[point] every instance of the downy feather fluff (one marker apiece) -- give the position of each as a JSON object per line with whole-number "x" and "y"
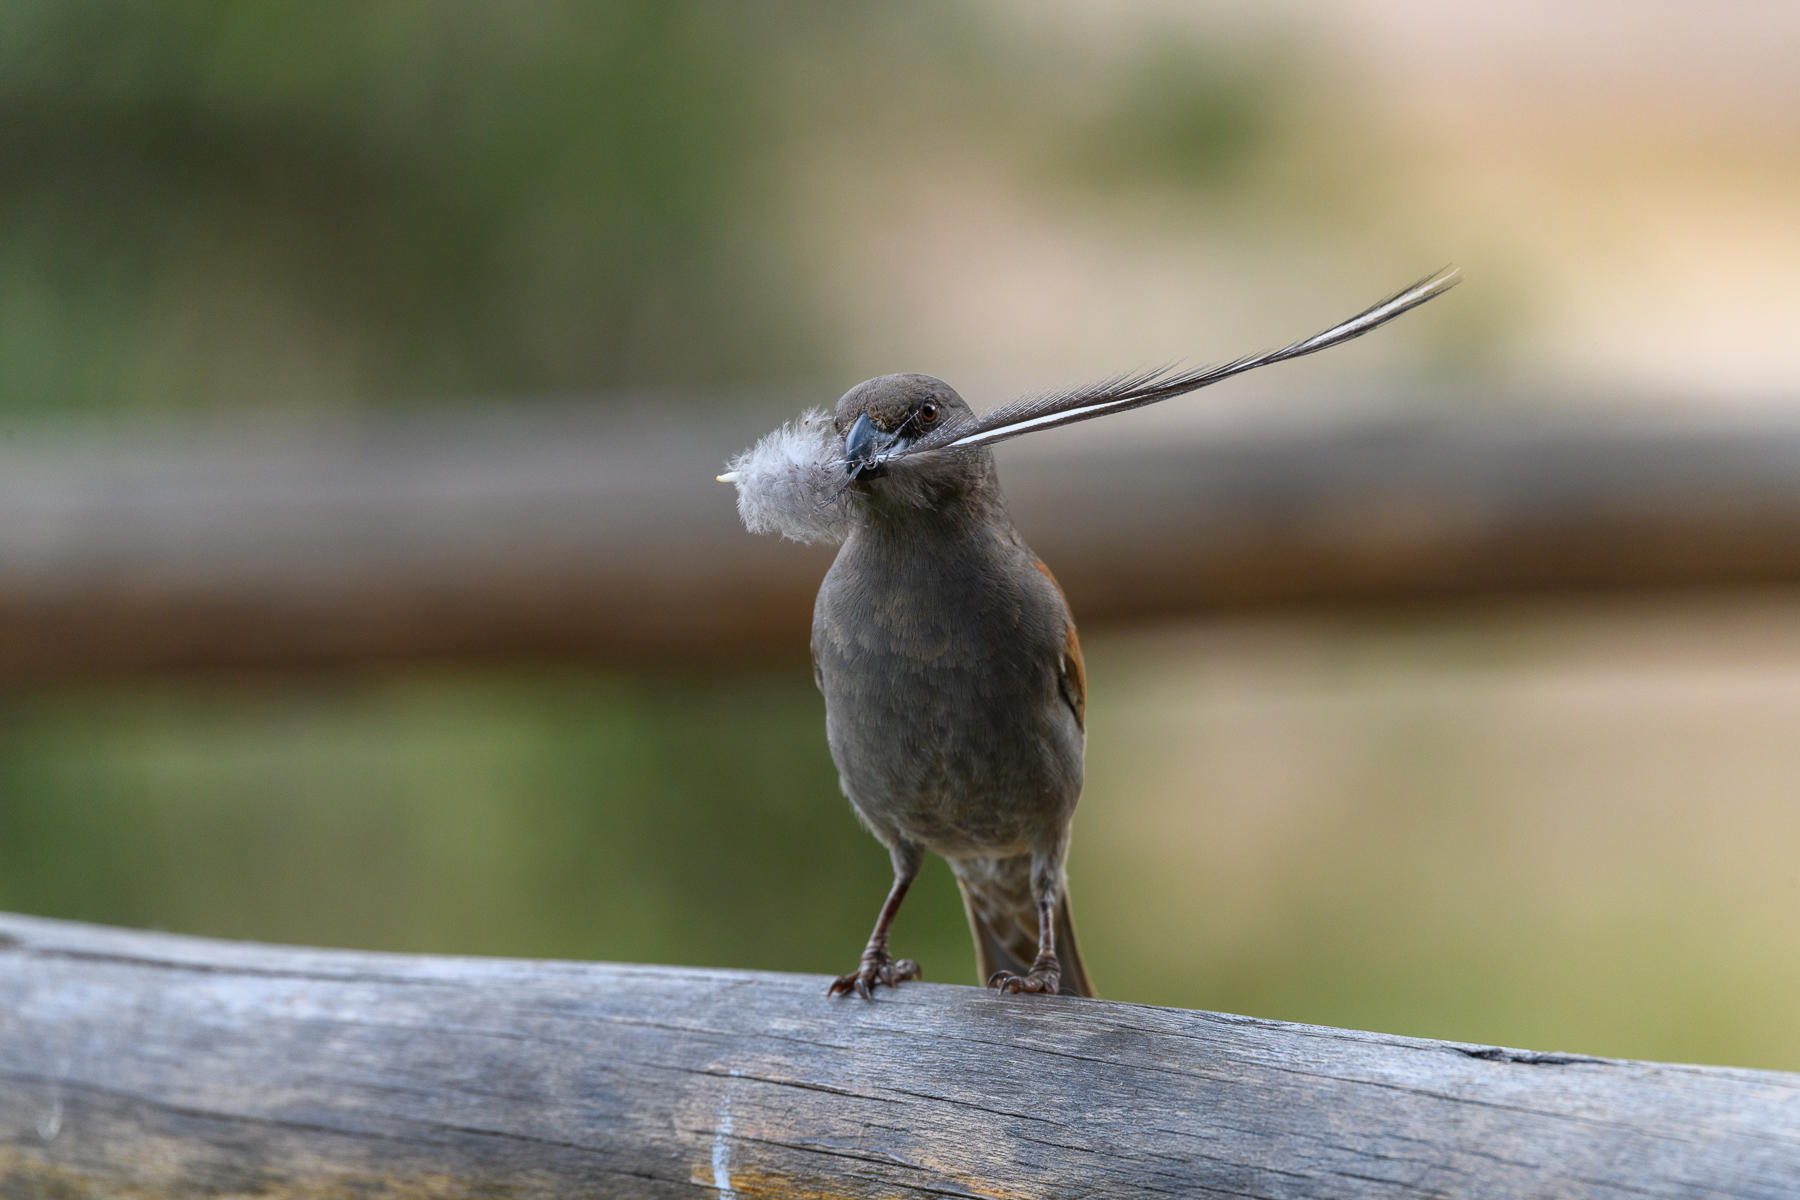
{"x": 792, "y": 482}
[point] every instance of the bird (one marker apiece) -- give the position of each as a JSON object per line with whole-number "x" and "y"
{"x": 948, "y": 657}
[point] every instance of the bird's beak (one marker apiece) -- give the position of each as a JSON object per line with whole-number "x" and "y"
{"x": 864, "y": 446}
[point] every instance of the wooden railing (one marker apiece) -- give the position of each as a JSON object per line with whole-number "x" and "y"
{"x": 587, "y": 534}
{"x": 147, "y": 1065}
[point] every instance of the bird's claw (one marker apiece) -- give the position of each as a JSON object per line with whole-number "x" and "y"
{"x": 1045, "y": 976}
{"x": 877, "y": 970}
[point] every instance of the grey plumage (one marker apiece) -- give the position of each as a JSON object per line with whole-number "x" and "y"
{"x": 955, "y": 691}
{"x": 945, "y": 652}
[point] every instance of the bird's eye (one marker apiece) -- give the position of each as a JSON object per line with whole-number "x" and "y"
{"x": 928, "y": 413}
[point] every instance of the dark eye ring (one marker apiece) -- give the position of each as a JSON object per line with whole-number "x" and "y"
{"x": 928, "y": 413}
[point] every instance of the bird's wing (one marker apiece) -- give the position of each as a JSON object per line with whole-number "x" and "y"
{"x": 1072, "y": 672}
{"x": 1074, "y": 678}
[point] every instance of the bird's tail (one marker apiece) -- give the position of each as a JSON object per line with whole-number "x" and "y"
{"x": 1003, "y": 921}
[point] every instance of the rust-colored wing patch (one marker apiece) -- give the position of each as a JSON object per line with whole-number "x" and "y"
{"x": 1073, "y": 677}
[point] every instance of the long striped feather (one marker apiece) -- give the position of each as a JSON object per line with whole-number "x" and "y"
{"x": 1125, "y": 392}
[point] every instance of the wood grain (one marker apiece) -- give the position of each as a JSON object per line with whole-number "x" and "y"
{"x": 149, "y": 1065}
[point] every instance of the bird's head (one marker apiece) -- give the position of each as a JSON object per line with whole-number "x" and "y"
{"x": 881, "y": 419}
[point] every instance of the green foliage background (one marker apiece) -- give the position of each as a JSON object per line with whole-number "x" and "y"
{"x": 212, "y": 205}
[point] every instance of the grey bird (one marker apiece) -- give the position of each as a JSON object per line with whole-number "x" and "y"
{"x": 955, "y": 694}
{"x": 955, "y": 691}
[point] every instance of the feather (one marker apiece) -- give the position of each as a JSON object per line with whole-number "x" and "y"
{"x": 792, "y": 482}
{"x": 1125, "y": 392}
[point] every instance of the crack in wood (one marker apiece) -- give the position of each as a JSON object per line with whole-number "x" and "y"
{"x": 1529, "y": 1057}
{"x": 198, "y": 968}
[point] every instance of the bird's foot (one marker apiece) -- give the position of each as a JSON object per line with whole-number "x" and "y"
{"x": 1045, "y": 976}
{"x": 876, "y": 969}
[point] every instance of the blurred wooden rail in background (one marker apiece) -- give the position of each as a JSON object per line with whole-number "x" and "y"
{"x": 149, "y": 1065}
{"x": 588, "y": 535}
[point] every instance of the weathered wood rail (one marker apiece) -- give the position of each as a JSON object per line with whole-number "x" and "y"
{"x": 585, "y": 533}
{"x": 149, "y": 1065}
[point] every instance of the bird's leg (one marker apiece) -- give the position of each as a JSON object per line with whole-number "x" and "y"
{"x": 877, "y": 967}
{"x": 1046, "y": 972}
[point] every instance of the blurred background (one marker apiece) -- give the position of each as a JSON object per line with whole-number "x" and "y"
{"x": 364, "y": 369}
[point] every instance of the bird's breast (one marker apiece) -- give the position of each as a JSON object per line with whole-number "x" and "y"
{"x": 939, "y": 666}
